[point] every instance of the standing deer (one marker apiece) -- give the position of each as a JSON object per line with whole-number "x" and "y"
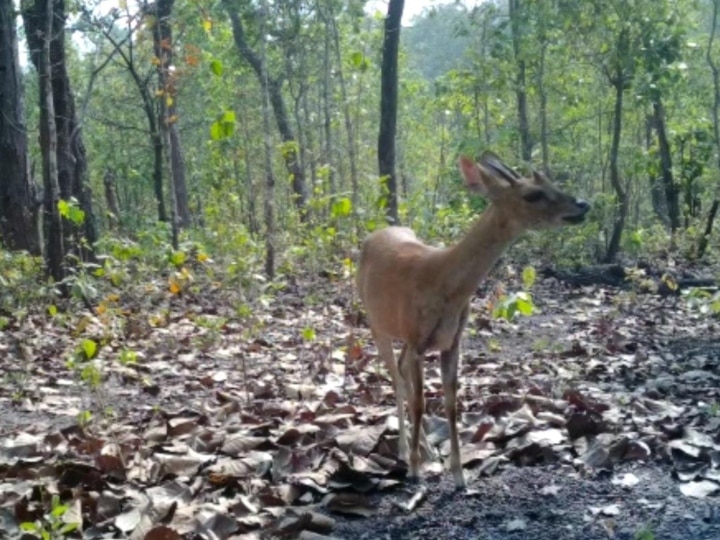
{"x": 420, "y": 294}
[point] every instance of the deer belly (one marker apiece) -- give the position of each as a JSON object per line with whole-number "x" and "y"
{"x": 443, "y": 334}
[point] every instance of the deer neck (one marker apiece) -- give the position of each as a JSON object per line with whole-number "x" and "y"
{"x": 469, "y": 261}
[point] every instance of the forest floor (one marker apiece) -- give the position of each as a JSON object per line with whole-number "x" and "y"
{"x": 596, "y": 417}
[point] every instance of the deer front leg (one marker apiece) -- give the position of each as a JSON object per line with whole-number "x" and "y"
{"x": 386, "y": 354}
{"x": 449, "y": 369}
{"x": 411, "y": 368}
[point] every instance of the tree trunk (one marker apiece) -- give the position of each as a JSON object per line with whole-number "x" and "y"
{"x": 388, "y": 107}
{"x": 622, "y": 210}
{"x": 272, "y": 87}
{"x": 347, "y": 117}
{"x": 163, "y": 45}
{"x": 520, "y": 80}
{"x": 111, "y": 199}
{"x": 71, "y": 158}
{"x": 326, "y": 105}
{"x": 544, "y": 136}
{"x": 671, "y": 190}
{"x": 39, "y": 17}
{"x": 18, "y": 228}
{"x": 704, "y": 239}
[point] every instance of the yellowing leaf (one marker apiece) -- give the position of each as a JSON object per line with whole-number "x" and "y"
{"x": 207, "y": 25}
{"x": 174, "y": 287}
{"x": 202, "y": 257}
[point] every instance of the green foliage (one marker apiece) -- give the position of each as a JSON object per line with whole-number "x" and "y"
{"x": 70, "y": 210}
{"x": 517, "y": 303}
{"x": 52, "y": 526}
{"x": 706, "y": 302}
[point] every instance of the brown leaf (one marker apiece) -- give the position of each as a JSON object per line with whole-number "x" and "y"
{"x": 349, "y": 503}
{"x": 162, "y": 533}
{"x": 360, "y": 440}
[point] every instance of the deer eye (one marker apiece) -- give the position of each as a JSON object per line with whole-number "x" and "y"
{"x": 534, "y": 196}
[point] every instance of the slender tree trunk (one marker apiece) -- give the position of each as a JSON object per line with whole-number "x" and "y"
{"x": 671, "y": 189}
{"x": 347, "y": 117}
{"x": 327, "y": 88}
{"x": 388, "y": 107}
{"x": 544, "y": 142}
{"x": 111, "y": 199}
{"x": 704, "y": 239}
{"x": 520, "y": 80}
{"x": 163, "y": 45}
{"x": 269, "y": 202}
{"x": 71, "y": 158}
{"x": 18, "y": 228}
{"x": 622, "y": 209}
{"x": 273, "y": 88}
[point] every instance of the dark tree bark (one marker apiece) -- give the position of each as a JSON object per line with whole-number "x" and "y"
{"x": 272, "y": 86}
{"x": 621, "y": 214}
{"x": 704, "y": 239}
{"x": 39, "y": 18}
{"x": 163, "y": 45}
{"x": 388, "y": 107}
{"x": 63, "y": 136}
{"x": 18, "y": 228}
{"x": 671, "y": 190}
{"x": 520, "y": 80}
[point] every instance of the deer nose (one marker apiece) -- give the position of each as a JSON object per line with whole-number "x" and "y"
{"x": 584, "y": 206}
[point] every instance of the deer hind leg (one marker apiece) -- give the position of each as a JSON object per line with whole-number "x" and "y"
{"x": 386, "y": 354}
{"x": 411, "y": 368}
{"x": 449, "y": 369}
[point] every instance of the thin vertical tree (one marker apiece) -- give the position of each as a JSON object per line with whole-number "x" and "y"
{"x": 161, "y": 10}
{"x": 516, "y": 23}
{"x": 388, "y": 107}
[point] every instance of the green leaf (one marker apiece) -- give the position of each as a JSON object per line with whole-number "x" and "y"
{"x": 69, "y": 527}
{"x": 217, "y": 131}
{"x": 356, "y": 59}
{"x": 528, "y": 276}
{"x": 216, "y": 67}
{"x": 229, "y": 116}
{"x": 28, "y": 526}
{"x": 63, "y": 208}
{"x": 308, "y": 334}
{"x": 52, "y": 310}
{"x": 524, "y": 306}
{"x": 59, "y": 510}
{"x": 341, "y": 207}
{"x": 178, "y": 258}
{"x": 89, "y": 347}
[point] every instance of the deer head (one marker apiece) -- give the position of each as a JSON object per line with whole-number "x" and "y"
{"x": 528, "y": 203}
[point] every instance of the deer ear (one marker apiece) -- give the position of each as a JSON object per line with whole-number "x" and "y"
{"x": 478, "y": 178}
{"x": 473, "y": 177}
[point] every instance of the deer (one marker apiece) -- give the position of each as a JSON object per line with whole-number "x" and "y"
{"x": 420, "y": 294}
